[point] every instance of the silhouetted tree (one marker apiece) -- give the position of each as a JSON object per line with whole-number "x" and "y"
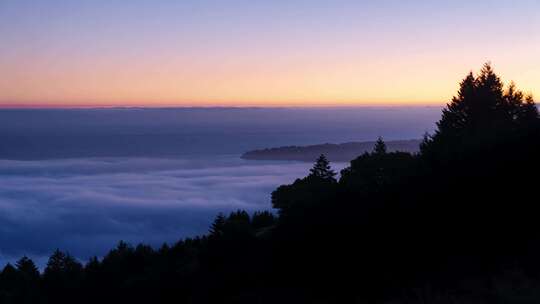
{"x": 61, "y": 264}
{"x": 426, "y": 142}
{"x": 374, "y": 171}
{"x": 28, "y": 281}
{"x": 62, "y": 277}
{"x": 218, "y": 226}
{"x": 321, "y": 169}
{"x": 481, "y": 114}
{"x": 9, "y": 285}
{"x": 27, "y": 268}
{"x": 238, "y": 226}
{"x": 307, "y": 193}
{"x": 380, "y": 146}
{"x": 262, "y": 219}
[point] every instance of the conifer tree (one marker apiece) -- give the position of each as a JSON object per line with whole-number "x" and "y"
{"x": 62, "y": 266}
{"x": 27, "y": 268}
{"x": 262, "y": 219}
{"x": 380, "y": 147}
{"x": 8, "y": 276}
{"x": 321, "y": 169}
{"x": 217, "y": 227}
{"x": 55, "y": 264}
{"x": 480, "y": 113}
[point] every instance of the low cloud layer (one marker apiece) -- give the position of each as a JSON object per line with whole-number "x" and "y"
{"x": 86, "y": 206}
{"x": 131, "y": 174}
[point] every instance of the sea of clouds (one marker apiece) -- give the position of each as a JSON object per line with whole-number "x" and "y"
{"x": 85, "y": 206}
{"x": 83, "y": 179}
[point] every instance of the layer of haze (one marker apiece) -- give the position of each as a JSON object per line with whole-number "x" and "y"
{"x": 244, "y": 52}
{"x": 83, "y": 179}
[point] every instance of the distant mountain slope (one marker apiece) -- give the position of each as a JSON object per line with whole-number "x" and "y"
{"x": 334, "y": 152}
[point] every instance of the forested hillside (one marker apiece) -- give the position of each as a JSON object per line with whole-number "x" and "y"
{"x": 334, "y": 152}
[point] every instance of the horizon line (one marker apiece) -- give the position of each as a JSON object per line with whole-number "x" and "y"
{"x": 90, "y": 107}
{"x": 9, "y": 105}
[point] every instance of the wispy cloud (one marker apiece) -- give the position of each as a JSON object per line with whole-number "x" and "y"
{"x": 87, "y": 205}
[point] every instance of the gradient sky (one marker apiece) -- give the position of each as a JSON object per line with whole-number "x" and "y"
{"x": 249, "y": 52}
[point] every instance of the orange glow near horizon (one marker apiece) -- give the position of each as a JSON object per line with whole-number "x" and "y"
{"x": 107, "y": 54}
{"x": 290, "y": 83}
{"x": 338, "y": 85}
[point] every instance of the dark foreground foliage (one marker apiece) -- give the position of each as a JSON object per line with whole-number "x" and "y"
{"x": 456, "y": 223}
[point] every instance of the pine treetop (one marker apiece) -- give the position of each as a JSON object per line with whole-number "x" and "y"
{"x": 380, "y": 147}
{"x": 322, "y": 169}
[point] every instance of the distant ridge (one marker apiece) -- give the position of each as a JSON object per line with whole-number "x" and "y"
{"x": 334, "y": 152}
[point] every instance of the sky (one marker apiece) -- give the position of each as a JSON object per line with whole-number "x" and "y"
{"x": 259, "y": 53}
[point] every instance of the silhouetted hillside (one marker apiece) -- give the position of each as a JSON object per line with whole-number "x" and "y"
{"x": 334, "y": 152}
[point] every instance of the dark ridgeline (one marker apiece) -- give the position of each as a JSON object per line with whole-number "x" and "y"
{"x": 335, "y": 152}
{"x": 455, "y": 223}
